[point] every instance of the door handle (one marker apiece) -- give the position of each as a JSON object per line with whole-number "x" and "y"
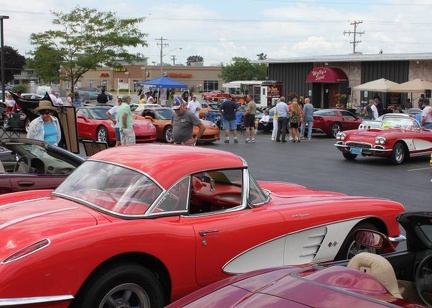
{"x": 205, "y": 232}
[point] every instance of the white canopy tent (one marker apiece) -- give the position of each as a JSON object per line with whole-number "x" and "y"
{"x": 379, "y": 85}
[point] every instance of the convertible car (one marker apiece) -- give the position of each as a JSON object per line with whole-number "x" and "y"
{"x": 94, "y": 124}
{"x": 397, "y": 138}
{"x": 393, "y": 279}
{"x": 161, "y": 119}
{"x": 141, "y": 226}
{"x": 28, "y": 164}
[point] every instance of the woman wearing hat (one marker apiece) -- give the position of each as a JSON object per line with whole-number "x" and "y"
{"x": 46, "y": 127}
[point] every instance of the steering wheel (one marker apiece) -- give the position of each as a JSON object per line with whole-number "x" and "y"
{"x": 423, "y": 279}
{"x": 22, "y": 165}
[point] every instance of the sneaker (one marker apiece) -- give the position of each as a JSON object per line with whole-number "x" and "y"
{"x": 226, "y": 140}
{"x": 235, "y": 141}
{"x": 253, "y": 140}
{"x": 309, "y": 138}
{"x": 247, "y": 140}
{"x": 290, "y": 138}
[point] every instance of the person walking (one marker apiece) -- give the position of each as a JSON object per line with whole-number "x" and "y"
{"x": 308, "y": 111}
{"x": 274, "y": 117}
{"x": 46, "y": 127}
{"x": 295, "y": 117}
{"x": 183, "y": 123}
{"x": 127, "y": 134}
{"x": 282, "y": 119}
{"x": 112, "y": 114}
{"x": 194, "y": 106}
{"x": 228, "y": 109}
{"x": 249, "y": 119}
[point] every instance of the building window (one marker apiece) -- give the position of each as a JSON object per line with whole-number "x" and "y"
{"x": 210, "y": 85}
{"x": 91, "y": 82}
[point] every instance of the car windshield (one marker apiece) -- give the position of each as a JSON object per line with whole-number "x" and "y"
{"x": 110, "y": 188}
{"x": 98, "y": 113}
{"x": 400, "y": 122}
{"x": 164, "y": 114}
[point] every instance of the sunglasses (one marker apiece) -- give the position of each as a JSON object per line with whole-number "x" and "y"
{"x": 45, "y": 112}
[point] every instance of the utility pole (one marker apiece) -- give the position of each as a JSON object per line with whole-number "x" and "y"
{"x": 355, "y": 32}
{"x": 161, "y": 45}
{"x": 173, "y": 58}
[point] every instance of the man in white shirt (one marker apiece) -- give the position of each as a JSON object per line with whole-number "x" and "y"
{"x": 426, "y": 115}
{"x": 194, "y": 106}
{"x": 374, "y": 110}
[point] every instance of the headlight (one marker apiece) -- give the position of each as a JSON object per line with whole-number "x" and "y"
{"x": 151, "y": 126}
{"x": 340, "y": 136}
{"x": 380, "y": 140}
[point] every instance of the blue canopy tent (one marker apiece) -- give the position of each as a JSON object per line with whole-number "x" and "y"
{"x": 163, "y": 82}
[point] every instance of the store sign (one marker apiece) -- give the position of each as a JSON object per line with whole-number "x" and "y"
{"x": 120, "y": 69}
{"x": 104, "y": 75}
{"x": 179, "y": 75}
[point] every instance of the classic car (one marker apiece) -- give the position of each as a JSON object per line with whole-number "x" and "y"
{"x": 161, "y": 118}
{"x": 28, "y": 164}
{"x": 93, "y": 123}
{"x": 398, "y": 137}
{"x": 332, "y": 121}
{"x": 143, "y": 225}
{"x": 393, "y": 279}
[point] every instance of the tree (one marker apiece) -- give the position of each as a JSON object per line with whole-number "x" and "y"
{"x": 46, "y": 62}
{"x": 13, "y": 63}
{"x": 242, "y": 69}
{"x": 88, "y": 39}
{"x": 192, "y": 59}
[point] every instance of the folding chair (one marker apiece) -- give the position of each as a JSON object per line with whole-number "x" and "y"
{"x": 11, "y": 128}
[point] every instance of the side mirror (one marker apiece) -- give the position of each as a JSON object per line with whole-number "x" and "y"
{"x": 373, "y": 239}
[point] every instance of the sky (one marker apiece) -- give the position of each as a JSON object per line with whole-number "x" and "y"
{"x": 219, "y": 30}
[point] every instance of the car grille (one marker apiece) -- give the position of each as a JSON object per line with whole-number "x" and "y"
{"x": 359, "y": 145}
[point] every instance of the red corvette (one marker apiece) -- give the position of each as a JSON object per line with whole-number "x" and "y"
{"x": 93, "y": 124}
{"x": 141, "y": 226}
{"x": 332, "y": 121}
{"x": 397, "y": 138}
{"x": 216, "y": 94}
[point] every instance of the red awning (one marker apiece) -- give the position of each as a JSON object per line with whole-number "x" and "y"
{"x": 324, "y": 74}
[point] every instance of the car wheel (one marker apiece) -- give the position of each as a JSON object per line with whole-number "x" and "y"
{"x": 398, "y": 153}
{"x": 335, "y": 129}
{"x": 122, "y": 285}
{"x": 350, "y": 248}
{"x": 349, "y": 156}
{"x": 168, "y": 134}
{"x": 102, "y": 134}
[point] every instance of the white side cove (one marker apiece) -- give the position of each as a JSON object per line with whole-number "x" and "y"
{"x": 317, "y": 244}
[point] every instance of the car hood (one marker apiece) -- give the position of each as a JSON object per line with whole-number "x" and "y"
{"x": 26, "y": 222}
{"x": 368, "y": 133}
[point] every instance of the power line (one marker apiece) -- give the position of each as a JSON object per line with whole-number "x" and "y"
{"x": 355, "y": 32}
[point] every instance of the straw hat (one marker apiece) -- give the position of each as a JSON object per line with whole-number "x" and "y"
{"x": 45, "y": 105}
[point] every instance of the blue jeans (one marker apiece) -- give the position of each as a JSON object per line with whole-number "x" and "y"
{"x": 302, "y": 128}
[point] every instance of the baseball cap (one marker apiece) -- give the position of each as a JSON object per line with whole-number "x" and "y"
{"x": 178, "y": 102}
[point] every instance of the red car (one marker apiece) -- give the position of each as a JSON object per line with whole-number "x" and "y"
{"x": 143, "y": 225}
{"x": 215, "y": 94}
{"x": 397, "y": 138}
{"x": 393, "y": 279}
{"x": 332, "y": 121}
{"x": 94, "y": 124}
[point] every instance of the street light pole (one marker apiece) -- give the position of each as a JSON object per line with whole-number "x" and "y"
{"x": 2, "y": 57}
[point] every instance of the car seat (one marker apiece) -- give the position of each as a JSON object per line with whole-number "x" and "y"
{"x": 379, "y": 268}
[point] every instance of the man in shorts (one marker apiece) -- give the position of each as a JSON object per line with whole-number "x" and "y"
{"x": 228, "y": 110}
{"x": 249, "y": 119}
